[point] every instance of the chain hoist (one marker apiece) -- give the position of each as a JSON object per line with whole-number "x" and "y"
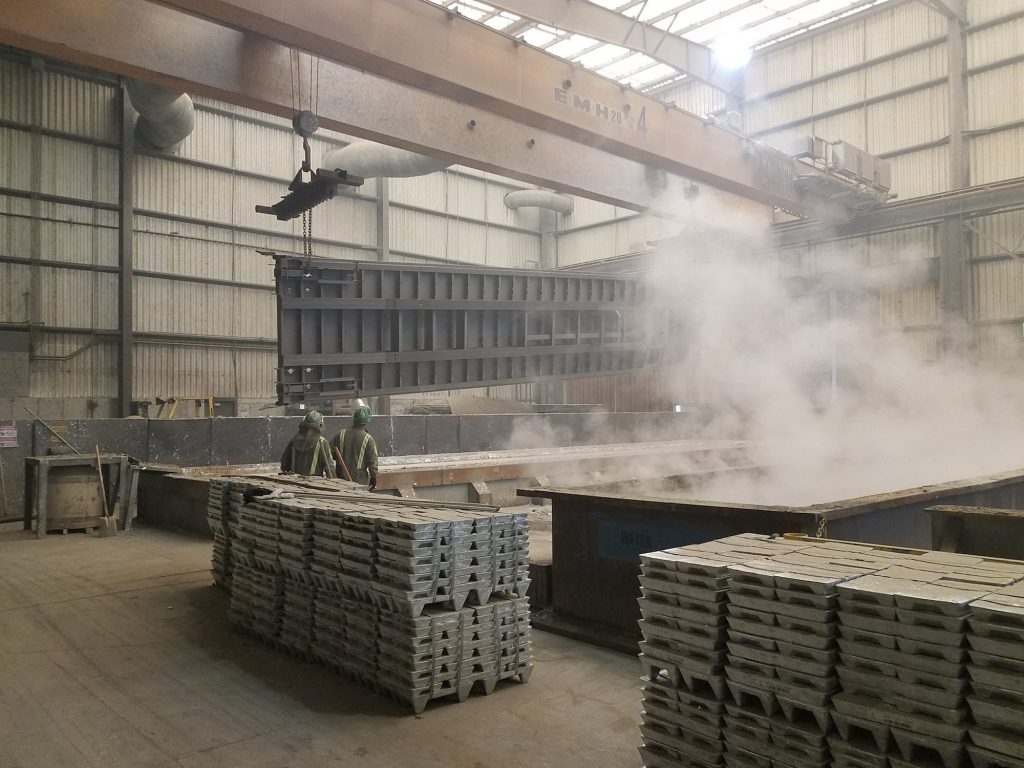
{"x": 322, "y": 184}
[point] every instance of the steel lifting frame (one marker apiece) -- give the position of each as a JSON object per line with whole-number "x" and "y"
{"x": 364, "y": 328}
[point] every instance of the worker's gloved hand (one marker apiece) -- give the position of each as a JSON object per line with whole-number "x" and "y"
{"x": 373, "y": 483}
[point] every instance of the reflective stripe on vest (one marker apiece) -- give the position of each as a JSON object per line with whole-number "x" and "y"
{"x": 316, "y": 455}
{"x": 361, "y": 459}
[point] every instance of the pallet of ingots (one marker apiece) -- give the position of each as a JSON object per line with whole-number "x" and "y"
{"x": 444, "y": 653}
{"x": 995, "y": 641}
{"x": 345, "y": 635}
{"x": 257, "y": 598}
{"x": 902, "y": 697}
{"x": 903, "y": 665}
{"x": 683, "y": 606}
{"x": 781, "y": 664}
{"x": 345, "y": 577}
{"x": 217, "y": 515}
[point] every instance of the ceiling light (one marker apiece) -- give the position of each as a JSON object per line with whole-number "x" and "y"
{"x": 731, "y": 52}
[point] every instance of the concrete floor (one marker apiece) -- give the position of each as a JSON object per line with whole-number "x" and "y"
{"x": 117, "y": 652}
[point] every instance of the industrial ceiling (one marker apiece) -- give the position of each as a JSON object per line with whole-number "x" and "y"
{"x": 751, "y": 23}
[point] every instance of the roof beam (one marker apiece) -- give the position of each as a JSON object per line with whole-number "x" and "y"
{"x": 609, "y": 26}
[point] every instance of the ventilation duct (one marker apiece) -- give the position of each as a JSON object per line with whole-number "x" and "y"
{"x": 539, "y": 198}
{"x": 369, "y": 160}
{"x": 166, "y": 118}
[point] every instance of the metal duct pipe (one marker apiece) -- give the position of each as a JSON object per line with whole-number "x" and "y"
{"x": 539, "y": 198}
{"x": 166, "y": 118}
{"x": 549, "y": 205}
{"x": 369, "y": 159}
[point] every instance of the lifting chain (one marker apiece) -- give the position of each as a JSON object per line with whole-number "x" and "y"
{"x": 822, "y": 527}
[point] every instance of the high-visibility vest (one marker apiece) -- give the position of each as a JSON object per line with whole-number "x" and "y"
{"x": 316, "y": 456}
{"x": 361, "y": 459}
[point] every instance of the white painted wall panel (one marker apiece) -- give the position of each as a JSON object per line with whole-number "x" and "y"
{"x": 906, "y": 71}
{"x": 997, "y": 156}
{"x": 787, "y": 65}
{"x": 78, "y": 299}
{"x": 998, "y": 289}
{"x": 996, "y": 97}
{"x": 837, "y": 49}
{"x": 1002, "y": 41}
{"x": 265, "y": 149}
{"x": 72, "y": 169}
{"x": 89, "y": 370}
{"x": 212, "y": 141}
{"x": 82, "y": 107}
{"x": 899, "y": 27}
{"x": 694, "y": 97}
{"x": 837, "y": 92}
{"x": 979, "y": 11}
{"x": 175, "y": 306}
{"x": 921, "y": 173}
{"x": 906, "y": 121}
{"x": 846, "y": 126}
{"x": 15, "y": 289}
{"x": 163, "y": 370}
{"x": 15, "y": 93}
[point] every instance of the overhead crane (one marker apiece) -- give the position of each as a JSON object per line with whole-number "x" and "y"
{"x": 418, "y": 76}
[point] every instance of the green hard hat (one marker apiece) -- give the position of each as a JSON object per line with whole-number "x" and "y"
{"x": 361, "y": 417}
{"x": 314, "y": 419}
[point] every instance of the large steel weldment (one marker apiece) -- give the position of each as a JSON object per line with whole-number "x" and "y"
{"x": 354, "y": 328}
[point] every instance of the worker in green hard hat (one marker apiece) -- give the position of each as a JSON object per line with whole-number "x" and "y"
{"x": 308, "y": 453}
{"x": 355, "y": 450}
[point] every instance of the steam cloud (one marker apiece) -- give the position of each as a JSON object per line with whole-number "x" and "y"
{"x": 836, "y": 404}
{"x": 836, "y": 399}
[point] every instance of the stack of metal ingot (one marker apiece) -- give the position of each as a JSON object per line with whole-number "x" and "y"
{"x": 996, "y": 669}
{"x": 825, "y": 634}
{"x": 903, "y": 671}
{"x": 418, "y": 600}
{"x": 295, "y": 558}
{"x": 683, "y": 605}
{"x": 217, "y": 514}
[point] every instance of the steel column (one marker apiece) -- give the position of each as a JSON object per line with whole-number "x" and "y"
{"x": 954, "y": 278}
{"x": 125, "y": 259}
{"x": 383, "y": 220}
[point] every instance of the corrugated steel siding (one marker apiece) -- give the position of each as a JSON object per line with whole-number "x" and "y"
{"x": 613, "y": 239}
{"x": 979, "y": 11}
{"x": 89, "y": 371}
{"x": 907, "y": 121}
{"x": 164, "y": 370}
{"x": 82, "y": 107}
{"x": 995, "y": 43}
{"x": 695, "y": 97}
{"x": 174, "y": 306}
{"x": 998, "y": 290}
{"x": 997, "y": 156}
{"x": 999, "y": 343}
{"x": 637, "y": 392}
{"x": 899, "y": 27}
{"x": 995, "y": 97}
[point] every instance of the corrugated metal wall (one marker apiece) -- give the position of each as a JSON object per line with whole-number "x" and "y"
{"x": 204, "y": 310}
